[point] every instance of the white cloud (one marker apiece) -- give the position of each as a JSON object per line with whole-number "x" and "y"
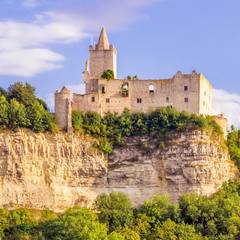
{"x": 63, "y": 22}
{"x": 28, "y": 62}
{"x": 24, "y": 47}
{"x": 228, "y": 104}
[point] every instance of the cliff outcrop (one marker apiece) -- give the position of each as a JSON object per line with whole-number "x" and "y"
{"x": 59, "y": 171}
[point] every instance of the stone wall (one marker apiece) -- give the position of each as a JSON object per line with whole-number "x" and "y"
{"x": 185, "y": 92}
{"x": 59, "y": 171}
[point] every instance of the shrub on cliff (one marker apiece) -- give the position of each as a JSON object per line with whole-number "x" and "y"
{"x": 115, "y": 128}
{"x": 108, "y": 74}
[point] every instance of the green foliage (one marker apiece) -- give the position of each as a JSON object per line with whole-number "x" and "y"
{"x": 76, "y": 223}
{"x": 233, "y": 143}
{"x": 40, "y": 119}
{"x": 20, "y": 108}
{"x": 17, "y": 115}
{"x": 192, "y": 218}
{"x": 169, "y": 230}
{"x": 23, "y": 93}
{"x": 115, "y": 210}
{"x": 159, "y": 209}
{"x": 112, "y": 129}
{"x": 129, "y": 234}
{"x": 77, "y": 120}
{"x": 4, "y": 113}
{"x": 3, "y": 92}
{"x": 108, "y": 74}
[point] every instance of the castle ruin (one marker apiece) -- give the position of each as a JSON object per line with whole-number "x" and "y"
{"x": 185, "y": 92}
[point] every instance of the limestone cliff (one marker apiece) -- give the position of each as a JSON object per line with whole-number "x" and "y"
{"x": 59, "y": 171}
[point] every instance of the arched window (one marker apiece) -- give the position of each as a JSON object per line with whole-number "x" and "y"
{"x": 151, "y": 88}
{"x": 124, "y": 90}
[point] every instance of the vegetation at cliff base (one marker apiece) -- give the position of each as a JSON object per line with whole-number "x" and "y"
{"x": 114, "y": 218}
{"x": 112, "y": 129}
{"x": 20, "y": 108}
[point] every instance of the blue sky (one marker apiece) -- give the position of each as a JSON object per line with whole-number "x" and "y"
{"x": 45, "y": 42}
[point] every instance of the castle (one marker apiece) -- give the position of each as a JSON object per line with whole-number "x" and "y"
{"x": 185, "y": 92}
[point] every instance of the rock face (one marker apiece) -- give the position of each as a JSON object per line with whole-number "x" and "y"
{"x": 59, "y": 171}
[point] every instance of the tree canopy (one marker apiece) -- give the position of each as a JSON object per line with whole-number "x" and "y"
{"x": 20, "y": 108}
{"x": 194, "y": 217}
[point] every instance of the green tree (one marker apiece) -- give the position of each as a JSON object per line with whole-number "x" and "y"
{"x": 170, "y": 230}
{"x": 233, "y": 142}
{"x": 77, "y": 120}
{"x": 3, "y": 92}
{"x": 76, "y": 223}
{"x": 129, "y": 234}
{"x": 23, "y": 93}
{"x": 4, "y": 221}
{"x": 4, "y": 113}
{"x": 115, "y": 210}
{"x": 159, "y": 209}
{"x": 115, "y": 236}
{"x": 142, "y": 225}
{"x": 17, "y": 115}
{"x": 108, "y": 74}
{"x": 40, "y": 119}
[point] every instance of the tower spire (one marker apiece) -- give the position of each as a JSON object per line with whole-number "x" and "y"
{"x": 103, "y": 42}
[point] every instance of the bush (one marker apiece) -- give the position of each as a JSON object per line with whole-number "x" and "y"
{"x": 108, "y": 74}
{"x": 112, "y": 129}
{"x": 77, "y": 120}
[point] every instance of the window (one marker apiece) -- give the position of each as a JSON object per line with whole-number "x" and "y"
{"x": 186, "y": 100}
{"x": 103, "y": 89}
{"x": 124, "y": 90}
{"x": 139, "y": 100}
{"x": 151, "y": 88}
{"x": 167, "y": 99}
{"x": 185, "y": 88}
{"x": 203, "y": 103}
{"x": 93, "y": 99}
{"x": 107, "y": 100}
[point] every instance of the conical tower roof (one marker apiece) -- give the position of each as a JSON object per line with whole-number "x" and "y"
{"x": 103, "y": 42}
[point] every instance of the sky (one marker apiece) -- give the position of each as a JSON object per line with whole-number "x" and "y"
{"x": 45, "y": 42}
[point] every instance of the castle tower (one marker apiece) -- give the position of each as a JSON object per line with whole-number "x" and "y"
{"x": 103, "y": 56}
{"x": 63, "y": 109}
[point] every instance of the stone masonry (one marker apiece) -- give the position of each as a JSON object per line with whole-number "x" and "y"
{"x": 185, "y": 92}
